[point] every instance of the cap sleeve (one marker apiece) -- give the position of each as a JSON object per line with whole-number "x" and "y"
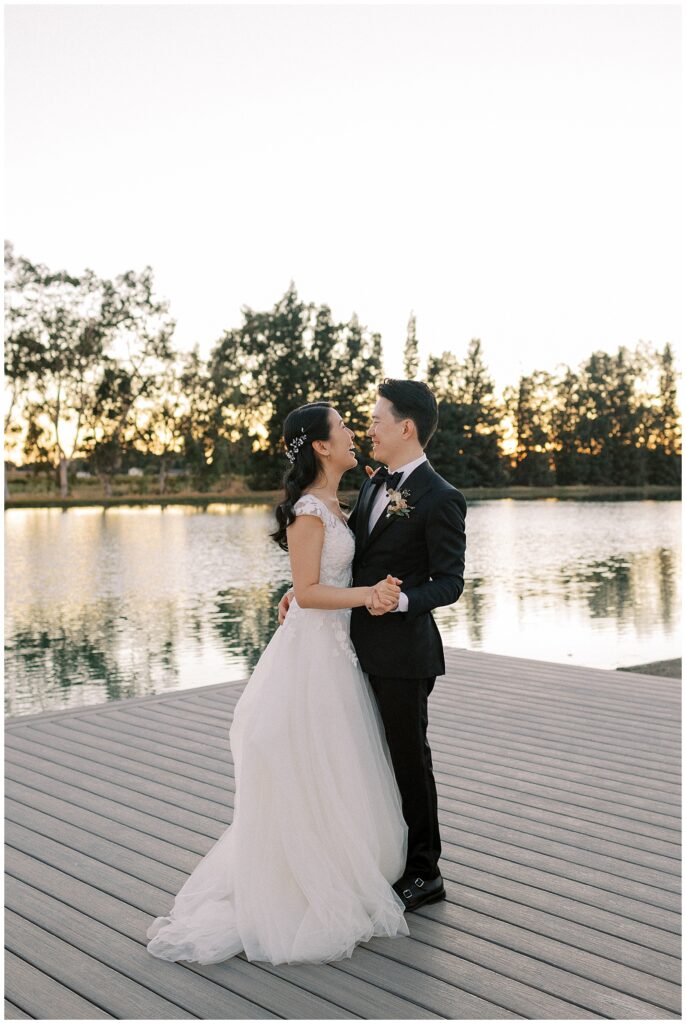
{"x": 308, "y": 505}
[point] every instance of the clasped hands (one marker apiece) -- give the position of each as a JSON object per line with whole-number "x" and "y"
{"x": 384, "y": 596}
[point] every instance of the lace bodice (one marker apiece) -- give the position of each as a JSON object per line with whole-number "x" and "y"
{"x": 339, "y": 542}
{"x": 335, "y": 571}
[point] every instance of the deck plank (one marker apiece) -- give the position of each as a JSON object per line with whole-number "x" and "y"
{"x": 559, "y": 798}
{"x": 444, "y": 738}
{"x": 645, "y": 900}
{"x": 131, "y": 960}
{"x": 620, "y": 846}
{"x": 569, "y": 910}
{"x": 276, "y": 987}
{"x": 34, "y": 991}
{"x": 95, "y": 981}
{"x": 142, "y": 744}
{"x": 13, "y": 1012}
{"x": 661, "y": 877}
{"x": 543, "y": 873}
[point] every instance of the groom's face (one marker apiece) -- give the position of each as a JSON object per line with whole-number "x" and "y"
{"x": 386, "y": 432}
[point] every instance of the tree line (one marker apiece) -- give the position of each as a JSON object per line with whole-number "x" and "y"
{"x": 93, "y": 377}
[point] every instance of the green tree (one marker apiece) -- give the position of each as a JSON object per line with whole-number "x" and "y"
{"x": 566, "y": 415}
{"x": 159, "y": 422}
{"x": 610, "y": 419}
{"x": 466, "y": 448}
{"x": 268, "y": 361}
{"x": 283, "y": 358}
{"x": 54, "y": 330}
{"x": 199, "y": 421}
{"x": 670, "y": 416}
{"x": 663, "y": 425}
{"x": 529, "y": 407}
{"x": 609, "y": 429}
{"x": 17, "y": 355}
{"x": 411, "y": 351}
{"x": 85, "y": 347}
{"x": 357, "y": 365}
{"x": 139, "y": 334}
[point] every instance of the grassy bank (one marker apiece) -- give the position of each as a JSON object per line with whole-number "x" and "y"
{"x": 670, "y": 669}
{"x": 135, "y": 493}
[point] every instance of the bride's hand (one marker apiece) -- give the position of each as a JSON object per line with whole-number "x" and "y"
{"x": 284, "y": 605}
{"x": 384, "y": 596}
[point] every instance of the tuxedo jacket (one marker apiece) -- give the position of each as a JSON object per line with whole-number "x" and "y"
{"x": 426, "y": 551}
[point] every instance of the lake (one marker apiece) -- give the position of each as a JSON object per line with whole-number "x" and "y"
{"x": 103, "y": 604}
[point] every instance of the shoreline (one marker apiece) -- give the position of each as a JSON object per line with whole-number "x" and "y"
{"x": 667, "y": 669}
{"x": 671, "y": 492}
{"x": 670, "y": 668}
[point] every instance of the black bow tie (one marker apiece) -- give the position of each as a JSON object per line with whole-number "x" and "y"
{"x": 383, "y": 476}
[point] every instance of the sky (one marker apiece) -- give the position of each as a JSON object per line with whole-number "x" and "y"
{"x": 508, "y": 172}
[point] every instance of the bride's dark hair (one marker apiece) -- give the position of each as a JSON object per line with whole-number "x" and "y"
{"x": 312, "y": 422}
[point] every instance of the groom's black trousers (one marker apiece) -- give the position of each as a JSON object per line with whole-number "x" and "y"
{"x": 403, "y": 707}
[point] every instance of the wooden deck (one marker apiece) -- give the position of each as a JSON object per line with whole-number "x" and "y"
{"x": 559, "y": 803}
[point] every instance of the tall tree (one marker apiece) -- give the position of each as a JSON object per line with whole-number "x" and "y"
{"x": 357, "y": 362}
{"x": 609, "y": 427}
{"x": 269, "y": 361}
{"x": 17, "y": 351}
{"x": 466, "y": 447}
{"x": 205, "y": 446}
{"x": 139, "y": 352}
{"x": 282, "y": 358}
{"x": 87, "y": 347}
{"x": 663, "y": 423}
{"x": 411, "y": 351}
{"x": 670, "y": 417}
{"x": 160, "y": 420}
{"x": 53, "y": 324}
{"x": 566, "y": 414}
{"x": 529, "y": 406}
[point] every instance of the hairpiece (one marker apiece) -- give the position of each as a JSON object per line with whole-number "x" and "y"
{"x": 295, "y": 445}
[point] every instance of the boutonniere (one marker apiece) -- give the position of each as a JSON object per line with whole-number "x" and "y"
{"x": 398, "y": 506}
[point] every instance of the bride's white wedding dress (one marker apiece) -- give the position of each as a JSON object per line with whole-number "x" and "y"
{"x": 306, "y": 868}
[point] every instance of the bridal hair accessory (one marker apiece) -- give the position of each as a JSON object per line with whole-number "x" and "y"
{"x": 296, "y": 444}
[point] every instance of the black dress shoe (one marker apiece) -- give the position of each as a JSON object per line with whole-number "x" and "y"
{"x": 415, "y": 892}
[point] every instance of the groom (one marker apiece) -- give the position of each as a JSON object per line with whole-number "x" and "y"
{"x": 408, "y": 522}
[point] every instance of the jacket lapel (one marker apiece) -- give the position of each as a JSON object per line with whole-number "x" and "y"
{"x": 417, "y": 483}
{"x": 362, "y": 514}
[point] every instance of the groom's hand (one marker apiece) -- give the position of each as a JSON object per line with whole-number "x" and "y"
{"x": 284, "y": 604}
{"x": 385, "y": 596}
{"x": 376, "y": 607}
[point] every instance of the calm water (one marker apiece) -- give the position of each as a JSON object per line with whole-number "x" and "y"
{"x": 104, "y": 604}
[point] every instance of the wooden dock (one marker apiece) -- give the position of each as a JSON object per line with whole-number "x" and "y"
{"x": 559, "y": 803}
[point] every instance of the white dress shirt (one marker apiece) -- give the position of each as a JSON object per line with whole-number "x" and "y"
{"x": 381, "y": 501}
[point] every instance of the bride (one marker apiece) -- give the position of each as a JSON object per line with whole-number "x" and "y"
{"x": 305, "y": 870}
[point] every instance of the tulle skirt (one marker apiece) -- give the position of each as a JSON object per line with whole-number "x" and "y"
{"x": 305, "y": 870}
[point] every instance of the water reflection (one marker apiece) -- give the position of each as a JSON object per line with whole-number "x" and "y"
{"x": 102, "y": 605}
{"x": 246, "y": 619}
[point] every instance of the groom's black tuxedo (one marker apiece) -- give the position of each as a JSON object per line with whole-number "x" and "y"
{"x": 426, "y": 551}
{"x": 402, "y": 651}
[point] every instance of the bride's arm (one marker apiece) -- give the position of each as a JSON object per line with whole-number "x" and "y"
{"x": 305, "y": 543}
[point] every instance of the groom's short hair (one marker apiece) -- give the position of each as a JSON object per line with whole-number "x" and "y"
{"x": 412, "y": 400}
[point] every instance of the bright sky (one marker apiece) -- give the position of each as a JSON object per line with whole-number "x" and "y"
{"x": 510, "y": 173}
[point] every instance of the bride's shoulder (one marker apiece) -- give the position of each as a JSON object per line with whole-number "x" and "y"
{"x": 309, "y": 505}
